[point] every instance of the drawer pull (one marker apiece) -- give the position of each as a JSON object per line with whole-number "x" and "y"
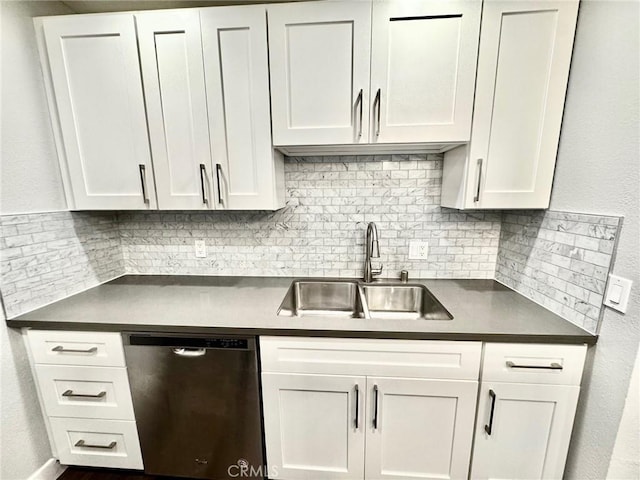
{"x": 61, "y": 349}
{"x": 69, "y": 393}
{"x": 81, "y": 443}
{"x": 489, "y": 428}
{"x": 553, "y": 366}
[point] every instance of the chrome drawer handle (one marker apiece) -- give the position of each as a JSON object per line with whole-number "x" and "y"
{"x": 81, "y": 443}
{"x": 69, "y": 393}
{"x": 553, "y": 366}
{"x": 61, "y": 349}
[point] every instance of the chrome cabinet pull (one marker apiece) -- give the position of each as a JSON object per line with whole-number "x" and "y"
{"x": 377, "y": 101}
{"x": 357, "y": 389}
{"x": 203, "y": 172}
{"x": 69, "y": 393}
{"x": 375, "y": 406}
{"x": 477, "y": 197}
{"x": 553, "y": 366}
{"x": 489, "y": 428}
{"x": 143, "y": 182}
{"x": 61, "y": 349}
{"x": 218, "y": 171}
{"x": 82, "y": 443}
{"x": 359, "y": 101}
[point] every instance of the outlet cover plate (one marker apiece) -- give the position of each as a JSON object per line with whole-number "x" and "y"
{"x": 418, "y": 250}
{"x": 201, "y": 249}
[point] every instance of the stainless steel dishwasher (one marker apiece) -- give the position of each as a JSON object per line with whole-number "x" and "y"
{"x": 197, "y": 404}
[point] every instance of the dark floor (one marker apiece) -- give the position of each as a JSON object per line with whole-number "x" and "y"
{"x": 80, "y": 473}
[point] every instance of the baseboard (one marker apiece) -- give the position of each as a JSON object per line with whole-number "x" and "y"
{"x": 51, "y": 470}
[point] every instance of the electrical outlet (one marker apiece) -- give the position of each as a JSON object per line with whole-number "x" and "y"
{"x": 418, "y": 250}
{"x": 201, "y": 249}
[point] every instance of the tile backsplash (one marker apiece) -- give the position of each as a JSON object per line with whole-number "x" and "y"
{"x": 560, "y": 260}
{"x": 321, "y": 230}
{"x": 48, "y": 256}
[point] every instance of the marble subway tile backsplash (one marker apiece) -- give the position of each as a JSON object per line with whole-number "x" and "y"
{"x": 321, "y": 230}
{"x": 560, "y": 260}
{"x": 48, "y": 256}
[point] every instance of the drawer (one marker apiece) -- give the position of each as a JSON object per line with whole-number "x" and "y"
{"x": 76, "y": 348}
{"x": 400, "y": 358}
{"x": 85, "y": 392}
{"x": 533, "y": 363}
{"x": 97, "y": 443}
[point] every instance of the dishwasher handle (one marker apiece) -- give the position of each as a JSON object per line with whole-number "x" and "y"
{"x": 189, "y": 352}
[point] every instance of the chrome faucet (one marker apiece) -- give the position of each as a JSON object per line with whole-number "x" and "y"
{"x": 373, "y": 251}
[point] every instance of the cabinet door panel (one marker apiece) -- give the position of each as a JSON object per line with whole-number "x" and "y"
{"x": 237, "y": 75}
{"x": 523, "y": 67}
{"x": 530, "y": 431}
{"x": 96, "y": 79}
{"x": 319, "y": 60}
{"x": 423, "y": 61}
{"x": 310, "y": 430}
{"x": 171, "y": 58}
{"x": 424, "y": 428}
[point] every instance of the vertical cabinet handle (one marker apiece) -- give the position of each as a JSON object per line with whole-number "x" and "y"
{"x": 375, "y": 406}
{"x": 357, "y": 419}
{"x": 376, "y": 104}
{"x": 489, "y": 428}
{"x": 359, "y": 102}
{"x": 218, "y": 170}
{"x": 477, "y": 197}
{"x": 203, "y": 173}
{"x": 143, "y": 182}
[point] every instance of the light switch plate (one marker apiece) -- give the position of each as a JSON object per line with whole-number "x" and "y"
{"x": 617, "y": 295}
{"x": 418, "y": 250}
{"x": 201, "y": 249}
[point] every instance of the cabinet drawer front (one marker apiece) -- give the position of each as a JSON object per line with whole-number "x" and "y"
{"x": 406, "y": 358}
{"x": 85, "y": 392}
{"x": 526, "y": 363}
{"x": 97, "y": 443}
{"x": 76, "y": 348}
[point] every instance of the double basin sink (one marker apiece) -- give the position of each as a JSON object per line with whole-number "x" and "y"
{"x": 355, "y": 299}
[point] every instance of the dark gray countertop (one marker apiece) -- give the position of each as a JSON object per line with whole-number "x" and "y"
{"x": 482, "y": 310}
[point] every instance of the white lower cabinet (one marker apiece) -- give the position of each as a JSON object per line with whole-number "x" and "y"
{"x": 321, "y": 426}
{"x": 523, "y": 430}
{"x": 84, "y": 393}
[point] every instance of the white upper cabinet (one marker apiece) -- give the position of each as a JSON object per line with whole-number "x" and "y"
{"x": 523, "y": 68}
{"x": 319, "y": 59}
{"x": 173, "y": 77}
{"x": 249, "y": 174}
{"x": 423, "y": 67}
{"x": 94, "y": 70}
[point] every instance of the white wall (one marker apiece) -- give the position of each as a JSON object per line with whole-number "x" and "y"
{"x": 598, "y": 172}
{"x": 625, "y": 461}
{"x": 29, "y": 175}
{"x": 30, "y": 181}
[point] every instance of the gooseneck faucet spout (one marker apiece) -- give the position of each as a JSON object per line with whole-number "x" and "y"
{"x": 372, "y": 251}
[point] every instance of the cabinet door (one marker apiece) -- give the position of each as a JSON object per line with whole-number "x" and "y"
{"x": 319, "y": 60}
{"x": 173, "y": 75}
{"x": 423, "y": 67}
{"x": 95, "y": 74}
{"x": 523, "y": 67}
{"x": 310, "y": 426}
{"x": 419, "y": 428}
{"x": 248, "y": 173}
{"x": 530, "y": 429}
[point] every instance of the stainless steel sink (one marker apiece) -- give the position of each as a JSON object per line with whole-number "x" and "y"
{"x": 403, "y": 301}
{"x": 353, "y": 299}
{"x": 323, "y": 297}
